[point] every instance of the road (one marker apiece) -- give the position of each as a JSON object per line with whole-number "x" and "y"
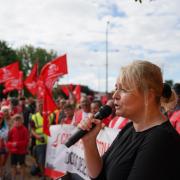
{"x": 28, "y": 176}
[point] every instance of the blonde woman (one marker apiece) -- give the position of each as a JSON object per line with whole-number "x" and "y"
{"x": 146, "y": 148}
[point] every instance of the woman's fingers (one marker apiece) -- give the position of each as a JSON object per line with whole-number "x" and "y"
{"x": 88, "y": 123}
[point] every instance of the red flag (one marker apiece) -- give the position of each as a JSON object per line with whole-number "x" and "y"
{"x": 65, "y": 90}
{"x": 40, "y": 89}
{"x": 20, "y": 84}
{"x": 104, "y": 99}
{"x": 48, "y": 107}
{"x": 70, "y": 87}
{"x": 9, "y": 72}
{"x": 53, "y": 70}
{"x": 14, "y": 84}
{"x": 77, "y": 93}
{"x": 31, "y": 80}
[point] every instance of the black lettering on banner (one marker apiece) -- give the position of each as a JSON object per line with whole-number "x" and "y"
{"x": 66, "y": 160}
{"x": 78, "y": 162}
{"x": 71, "y": 158}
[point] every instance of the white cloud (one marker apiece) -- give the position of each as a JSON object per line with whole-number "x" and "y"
{"x": 146, "y": 31}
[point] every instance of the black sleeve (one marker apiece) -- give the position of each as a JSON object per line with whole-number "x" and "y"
{"x": 126, "y": 129}
{"x": 156, "y": 158}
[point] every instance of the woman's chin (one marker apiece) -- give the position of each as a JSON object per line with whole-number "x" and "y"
{"x": 118, "y": 113}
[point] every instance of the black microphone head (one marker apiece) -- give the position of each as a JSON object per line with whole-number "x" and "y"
{"x": 104, "y": 112}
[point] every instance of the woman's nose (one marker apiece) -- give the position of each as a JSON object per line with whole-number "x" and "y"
{"x": 115, "y": 95}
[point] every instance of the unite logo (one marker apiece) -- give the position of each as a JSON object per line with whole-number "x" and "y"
{"x": 31, "y": 85}
{"x": 52, "y": 69}
{"x": 15, "y": 82}
{"x": 6, "y": 73}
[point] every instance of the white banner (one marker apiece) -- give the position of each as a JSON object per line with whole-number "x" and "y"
{"x": 60, "y": 159}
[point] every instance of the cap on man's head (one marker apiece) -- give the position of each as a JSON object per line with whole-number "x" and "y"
{"x": 4, "y": 108}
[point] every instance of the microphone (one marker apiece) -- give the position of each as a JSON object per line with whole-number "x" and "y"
{"x": 103, "y": 112}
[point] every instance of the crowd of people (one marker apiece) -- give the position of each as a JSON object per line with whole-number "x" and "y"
{"x": 142, "y": 108}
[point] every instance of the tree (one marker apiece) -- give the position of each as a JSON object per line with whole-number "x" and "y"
{"x": 170, "y": 82}
{"x": 7, "y": 56}
{"x": 30, "y": 55}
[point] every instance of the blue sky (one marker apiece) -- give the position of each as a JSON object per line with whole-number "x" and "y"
{"x": 149, "y": 31}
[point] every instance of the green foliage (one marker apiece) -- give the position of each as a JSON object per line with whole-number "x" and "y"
{"x": 7, "y": 54}
{"x": 30, "y": 55}
{"x": 170, "y": 82}
{"x": 27, "y": 55}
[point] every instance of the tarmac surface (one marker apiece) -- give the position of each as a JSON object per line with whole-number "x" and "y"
{"x": 28, "y": 176}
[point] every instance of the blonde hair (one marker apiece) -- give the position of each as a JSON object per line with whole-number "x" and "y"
{"x": 142, "y": 75}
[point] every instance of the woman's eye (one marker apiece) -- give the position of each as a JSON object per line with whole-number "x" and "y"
{"x": 123, "y": 90}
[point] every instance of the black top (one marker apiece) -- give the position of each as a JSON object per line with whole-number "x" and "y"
{"x": 153, "y": 154}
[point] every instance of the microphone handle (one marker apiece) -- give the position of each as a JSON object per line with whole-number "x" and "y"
{"x": 76, "y": 136}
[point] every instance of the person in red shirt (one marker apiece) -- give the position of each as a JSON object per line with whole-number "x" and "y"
{"x": 15, "y": 107}
{"x": 118, "y": 122}
{"x": 107, "y": 120}
{"x": 83, "y": 112}
{"x": 95, "y": 106}
{"x": 69, "y": 113}
{"x": 3, "y": 137}
{"x": 17, "y": 144}
{"x": 175, "y": 115}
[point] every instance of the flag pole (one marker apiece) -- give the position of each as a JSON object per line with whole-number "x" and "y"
{"x": 107, "y": 24}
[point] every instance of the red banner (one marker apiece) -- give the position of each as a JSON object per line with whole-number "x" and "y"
{"x": 31, "y": 80}
{"x": 53, "y": 70}
{"x": 77, "y": 93}
{"x": 14, "y": 84}
{"x": 9, "y": 72}
{"x": 48, "y": 107}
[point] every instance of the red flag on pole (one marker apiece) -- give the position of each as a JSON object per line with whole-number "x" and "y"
{"x": 9, "y": 72}
{"x": 53, "y": 70}
{"x": 14, "y": 84}
{"x": 31, "y": 80}
{"x": 40, "y": 89}
{"x": 48, "y": 107}
{"x": 65, "y": 90}
{"x": 77, "y": 93}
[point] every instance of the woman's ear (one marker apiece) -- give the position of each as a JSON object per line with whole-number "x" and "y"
{"x": 151, "y": 96}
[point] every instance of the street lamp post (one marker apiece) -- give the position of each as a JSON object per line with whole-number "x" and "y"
{"x": 107, "y": 24}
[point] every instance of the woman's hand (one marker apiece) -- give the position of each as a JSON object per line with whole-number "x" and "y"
{"x": 91, "y": 154}
{"x": 87, "y": 125}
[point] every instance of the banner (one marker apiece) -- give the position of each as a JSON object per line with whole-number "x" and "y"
{"x": 31, "y": 80}
{"x": 9, "y": 72}
{"x": 15, "y": 83}
{"x": 77, "y": 93}
{"x": 48, "y": 107}
{"x": 60, "y": 159}
{"x": 53, "y": 70}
